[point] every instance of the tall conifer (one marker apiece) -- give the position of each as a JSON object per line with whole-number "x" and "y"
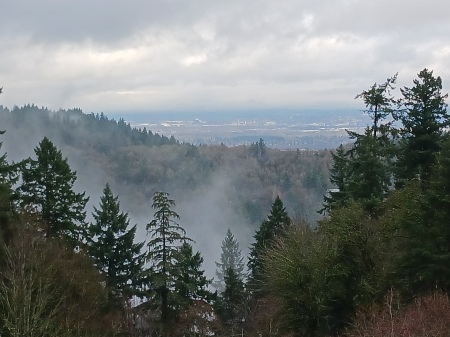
{"x": 166, "y": 238}
{"x": 276, "y": 224}
{"x": 47, "y": 191}
{"x": 230, "y": 257}
{"x": 424, "y": 117}
{"x": 111, "y": 246}
{"x": 190, "y": 283}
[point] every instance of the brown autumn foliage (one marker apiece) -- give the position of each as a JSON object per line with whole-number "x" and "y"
{"x": 426, "y": 316}
{"x": 48, "y": 289}
{"x": 265, "y": 318}
{"x": 197, "y": 320}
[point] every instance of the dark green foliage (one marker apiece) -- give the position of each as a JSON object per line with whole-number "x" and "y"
{"x": 414, "y": 250}
{"x": 437, "y": 213}
{"x": 423, "y": 117}
{"x": 376, "y": 238}
{"x": 190, "y": 283}
{"x": 5, "y": 193}
{"x": 339, "y": 175}
{"x": 8, "y": 177}
{"x": 47, "y": 191}
{"x": 111, "y": 246}
{"x": 363, "y": 173}
{"x": 231, "y": 302}
{"x": 176, "y": 275}
{"x": 379, "y": 102}
{"x": 323, "y": 276}
{"x": 258, "y": 149}
{"x": 297, "y": 274}
{"x": 276, "y": 224}
{"x": 166, "y": 238}
{"x": 121, "y": 133}
{"x": 369, "y": 176}
{"x": 425, "y": 262}
{"x": 73, "y": 128}
{"x": 353, "y": 253}
{"x": 230, "y": 258}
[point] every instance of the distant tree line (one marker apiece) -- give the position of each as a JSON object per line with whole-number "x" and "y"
{"x": 65, "y": 276}
{"x": 144, "y": 161}
{"x": 376, "y": 264}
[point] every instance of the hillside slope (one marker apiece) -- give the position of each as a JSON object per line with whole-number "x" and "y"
{"x": 215, "y": 187}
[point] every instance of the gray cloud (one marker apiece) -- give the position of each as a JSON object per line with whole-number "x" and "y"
{"x": 144, "y": 55}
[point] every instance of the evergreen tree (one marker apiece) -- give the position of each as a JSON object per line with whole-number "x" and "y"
{"x": 47, "y": 191}
{"x": 230, "y": 257}
{"x": 437, "y": 216}
{"x": 339, "y": 175}
{"x": 369, "y": 173}
{"x": 425, "y": 261}
{"x": 275, "y": 225}
{"x": 363, "y": 173}
{"x": 378, "y": 102}
{"x": 231, "y": 301}
{"x": 190, "y": 283}
{"x": 8, "y": 229}
{"x": 258, "y": 149}
{"x": 112, "y": 248}
{"x": 8, "y": 177}
{"x": 166, "y": 238}
{"x": 424, "y": 117}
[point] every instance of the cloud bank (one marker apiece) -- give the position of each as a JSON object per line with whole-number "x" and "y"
{"x": 141, "y": 55}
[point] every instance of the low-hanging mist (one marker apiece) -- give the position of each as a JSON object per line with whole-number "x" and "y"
{"x": 214, "y": 187}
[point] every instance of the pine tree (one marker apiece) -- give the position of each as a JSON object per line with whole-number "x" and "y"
{"x": 424, "y": 117}
{"x": 232, "y": 298}
{"x": 276, "y": 224}
{"x": 166, "y": 238}
{"x": 437, "y": 216}
{"x": 230, "y": 257}
{"x": 47, "y": 191}
{"x": 363, "y": 173}
{"x": 8, "y": 177}
{"x": 369, "y": 176}
{"x": 339, "y": 175}
{"x": 425, "y": 261}
{"x": 379, "y": 102}
{"x": 258, "y": 149}
{"x": 190, "y": 283}
{"x": 112, "y": 248}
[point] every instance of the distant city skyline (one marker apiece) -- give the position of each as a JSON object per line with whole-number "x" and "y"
{"x": 287, "y": 129}
{"x": 174, "y": 55}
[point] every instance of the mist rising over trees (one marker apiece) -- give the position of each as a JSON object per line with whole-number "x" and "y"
{"x": 377, "y": 262}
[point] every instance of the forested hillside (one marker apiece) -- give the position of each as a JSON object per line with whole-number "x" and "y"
{"x": 215, "y": 187}
{"x": 57, "y": 168}
{"x": 376, "y": 264}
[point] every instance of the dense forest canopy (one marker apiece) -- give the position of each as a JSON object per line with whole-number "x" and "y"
{"x": 215, "y": 186}
{"x": 375, "y": 263}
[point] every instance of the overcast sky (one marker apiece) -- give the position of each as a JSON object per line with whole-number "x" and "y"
{"x": 113, "y": 56}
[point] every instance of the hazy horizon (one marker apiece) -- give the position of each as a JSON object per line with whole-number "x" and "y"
{"x": 196, "y": 55}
